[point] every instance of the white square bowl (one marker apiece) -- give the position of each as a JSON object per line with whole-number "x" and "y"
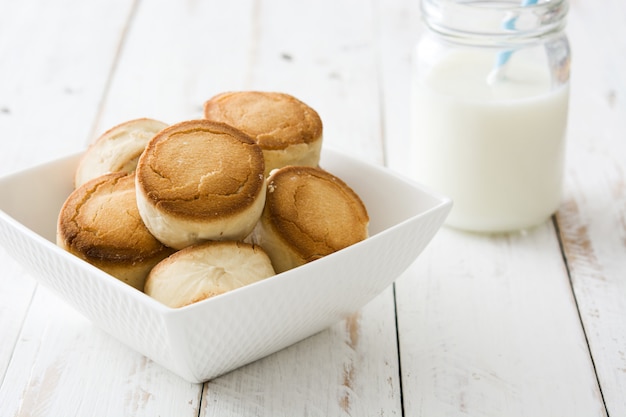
{"x": 209, "y": 338}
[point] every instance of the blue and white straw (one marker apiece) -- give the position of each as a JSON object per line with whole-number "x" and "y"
{"x": 504, "y": 56}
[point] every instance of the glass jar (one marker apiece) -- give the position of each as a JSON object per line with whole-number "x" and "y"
{"x": 490, "y": 92}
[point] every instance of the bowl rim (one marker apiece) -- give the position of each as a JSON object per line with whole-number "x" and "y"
{"x": 443, "y": 202}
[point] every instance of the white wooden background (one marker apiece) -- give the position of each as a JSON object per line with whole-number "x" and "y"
{"x": 515, "y": 325}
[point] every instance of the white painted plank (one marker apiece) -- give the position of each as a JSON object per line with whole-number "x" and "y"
{"x": 400, "y": 25}
{"x": 65, "y": 366}
{"x": 453, "y": 371}
{"x": 334, "y": 70}
{"x": 56, "y": 58}
{"x": 55, "y": 63}
{"x": 327, "y": 53}
{"x": 176, "y": 56}
{"x": 592, "y": 220}
{"x": 48, "y": 99}
{"x": 334, "y": 373}
{"x": 16, "y": 291}
{"x": 488, "y": 327}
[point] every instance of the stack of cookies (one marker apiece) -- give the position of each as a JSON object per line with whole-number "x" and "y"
{"x": 191, "y": 210}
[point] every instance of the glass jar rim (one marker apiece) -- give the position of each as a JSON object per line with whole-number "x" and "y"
{"x": 498, "y": 20}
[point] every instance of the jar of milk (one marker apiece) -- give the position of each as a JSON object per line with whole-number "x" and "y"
{"x": 489, "y": 109}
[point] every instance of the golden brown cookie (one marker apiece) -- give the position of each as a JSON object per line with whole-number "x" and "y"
{"x": 309, "y": 213}
{"x": 200, "y": 180}
{"x": 288, "y": 130}
{"x": 100, "y": 224}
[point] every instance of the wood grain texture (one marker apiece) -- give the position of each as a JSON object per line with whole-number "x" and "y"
{"x": 53, "y": 362}
{"x": 325, "y": 52}
{"x": 48, "y": 100}
{"x": 16, "y": 292}
{"x": 173, "y": 59}
{"x": 54, "y": 68}
{"x": 493, "y": 332}
{"x": 399, "y": 28}
{"x": 484, "y": 322}
{"x": 63, "y": 365}
{"x": 349, "y": 369}
{"x": 177, "y": 55}
{"x": 487, "y": 325}
{"x": 592, "y": 219}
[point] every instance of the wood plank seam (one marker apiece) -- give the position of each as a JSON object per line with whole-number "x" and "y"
{"x": 400, "y": 389}
{"x": 112, "y": 71}
{"x": 559, "y": 236}
{"x": 16, "y": 340}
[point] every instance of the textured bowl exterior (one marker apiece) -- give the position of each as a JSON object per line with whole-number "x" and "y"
{"x": 212, "y": 337}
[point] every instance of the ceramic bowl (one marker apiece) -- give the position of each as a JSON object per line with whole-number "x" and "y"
{"x": 209, "y": 338}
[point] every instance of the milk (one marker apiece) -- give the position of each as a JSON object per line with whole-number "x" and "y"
{"x": 497, "y": 149}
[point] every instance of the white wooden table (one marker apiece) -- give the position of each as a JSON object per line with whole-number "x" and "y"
{"x": 515, "y": 325}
